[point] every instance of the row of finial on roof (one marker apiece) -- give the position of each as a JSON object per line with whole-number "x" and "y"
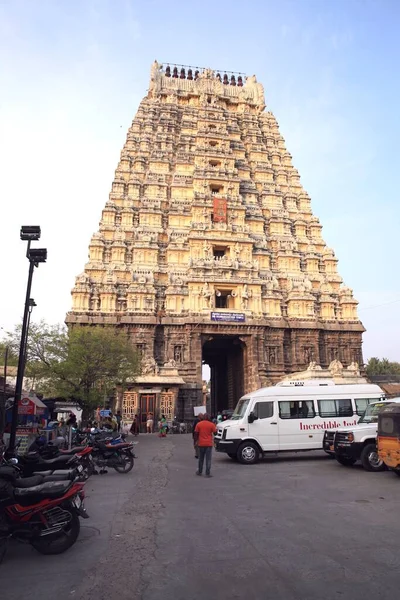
{"x": 191, "y": 76}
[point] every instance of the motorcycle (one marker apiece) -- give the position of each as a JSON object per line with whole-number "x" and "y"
{"x": 119, "y": 456}
{"x": 48, "y": 452}
{"x": 44, "y": 515}
{"x": 33, "y": 462}
{"x": 12, "y": 471}
{"x": 82, "y": 453}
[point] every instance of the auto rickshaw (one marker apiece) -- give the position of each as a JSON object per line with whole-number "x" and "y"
{"x": 389, "y": 436}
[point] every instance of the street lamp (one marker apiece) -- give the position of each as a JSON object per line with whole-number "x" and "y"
{"x": 35, "y": 256}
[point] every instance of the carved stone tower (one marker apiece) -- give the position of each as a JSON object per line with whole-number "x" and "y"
{"x": 208, "y": 250}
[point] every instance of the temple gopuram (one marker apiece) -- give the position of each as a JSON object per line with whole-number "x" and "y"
{"x": 208, "y": 251}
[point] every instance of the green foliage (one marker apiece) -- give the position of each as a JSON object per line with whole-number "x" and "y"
{"x": 12, "y": 358}
{"x": 84, "y": 363}
{"x": 382, "y": 366}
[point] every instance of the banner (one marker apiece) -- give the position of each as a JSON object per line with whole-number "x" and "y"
{"x": 220, "y": 210}
{"x": 226, "y": 316}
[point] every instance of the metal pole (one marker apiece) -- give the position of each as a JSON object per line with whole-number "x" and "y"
{"x": 27, "y": 334}
{"x": 21, "y": 363}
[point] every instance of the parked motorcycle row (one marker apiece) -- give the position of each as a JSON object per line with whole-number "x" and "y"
{"x": 42, "y": 492}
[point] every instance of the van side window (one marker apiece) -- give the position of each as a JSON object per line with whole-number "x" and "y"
{"x": 335, "y": 408}
{"x": 302, "y": 409}
{"x": 263, "y": 410}
{"x": 362, "y": 403}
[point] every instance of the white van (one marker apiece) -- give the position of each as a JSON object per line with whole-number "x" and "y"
{"x": 291, "y": 416}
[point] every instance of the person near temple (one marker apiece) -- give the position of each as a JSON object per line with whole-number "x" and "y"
{"x": 134, "y": 429}
{"x": 149, "y": 423}
{"x": 195, "y": 439}
{"x": 71, "y": 421}
{"x": 162, "y": 427}
{"x": 118, "y": 417}
{"x": 205, "y": 431}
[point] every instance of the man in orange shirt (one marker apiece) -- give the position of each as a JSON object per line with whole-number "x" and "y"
{"x": 204, "y": 433}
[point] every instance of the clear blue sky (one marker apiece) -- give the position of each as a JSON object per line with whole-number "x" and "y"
{"x": 73, "y": 72}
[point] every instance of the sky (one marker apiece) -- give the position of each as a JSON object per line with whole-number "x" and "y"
{"x": 72, "y": 75}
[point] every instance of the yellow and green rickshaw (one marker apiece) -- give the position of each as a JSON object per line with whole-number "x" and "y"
{"x": 388, "y": 440}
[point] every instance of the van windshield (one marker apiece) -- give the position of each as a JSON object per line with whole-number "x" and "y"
{"x": 372, "y": 412}
{"x": 240, "y": 408}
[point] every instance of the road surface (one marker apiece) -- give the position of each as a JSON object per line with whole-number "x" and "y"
{"x": 299, "y": 527}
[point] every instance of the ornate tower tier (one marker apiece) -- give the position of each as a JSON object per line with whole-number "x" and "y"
{"x": 208, "y": 249}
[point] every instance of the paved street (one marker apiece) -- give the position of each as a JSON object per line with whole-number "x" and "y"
{"x": 289, "y": 528}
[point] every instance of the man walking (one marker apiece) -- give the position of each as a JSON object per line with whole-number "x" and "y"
{"x": 196, "y": 437}
{"x": 204, "y": 433}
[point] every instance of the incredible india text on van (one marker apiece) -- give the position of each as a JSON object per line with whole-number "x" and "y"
{"x": 291, "y": 416}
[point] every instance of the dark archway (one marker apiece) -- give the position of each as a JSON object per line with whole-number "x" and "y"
{"x": 225, "y": 356}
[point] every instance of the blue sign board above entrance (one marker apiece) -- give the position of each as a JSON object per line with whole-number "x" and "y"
{"x": 228, "y": 316}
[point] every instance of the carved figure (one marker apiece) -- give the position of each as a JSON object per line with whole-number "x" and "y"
{"x": 252, "y": 90}
{"x": 207, "y": 249}
{"x": 170, "y": 363}
{"x": 308, "y": 354}
{"x": 149, "y": 366}
{"x": 94, "y": 303}
{"x": 272, "y": 355}
{"x": 336, "y": 367}
{"x": 178, "y": 354}
{"x": 206, "y": 292}
{"x": 155, "y": 77}
{"x": 245, "y": 297}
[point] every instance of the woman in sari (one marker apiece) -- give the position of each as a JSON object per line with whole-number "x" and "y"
{"x": 135, "y": 426}
{"x": 162, "y": 426}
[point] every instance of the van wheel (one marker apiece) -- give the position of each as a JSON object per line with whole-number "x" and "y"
{"x": 370, "y": 459}
{"x": 347, "y": 462}
{"x": 248, "y": 453}
{"x": 233, "y": 456}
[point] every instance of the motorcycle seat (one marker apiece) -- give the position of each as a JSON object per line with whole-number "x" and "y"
{"x": 28, "y": 482}
{"x": 118, "y": 446}
{"x": 58, "y": 459}
{"x": 32, "y": 495}
{"x": 64, "y": 474}
{"x": 59, "y": 477}
{"x": 73, "y": 450}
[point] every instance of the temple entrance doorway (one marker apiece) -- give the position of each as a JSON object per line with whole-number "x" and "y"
{"x": 147, "y": 407}
{"x": 225, "y": 356}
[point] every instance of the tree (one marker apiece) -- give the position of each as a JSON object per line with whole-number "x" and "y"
{"x": 12, "y": 358}
{"x": 382, "y": 366}
{"x": 84, "y": 363}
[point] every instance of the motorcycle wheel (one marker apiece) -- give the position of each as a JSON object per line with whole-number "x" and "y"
{"x": 126, "y": 466}
{"x": 60, "y": 542}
